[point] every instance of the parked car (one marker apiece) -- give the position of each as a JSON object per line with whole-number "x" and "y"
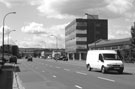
{"x": 63, "y": 58}
{"x": 30, "y": 58}
{"x": 13, "y": 59}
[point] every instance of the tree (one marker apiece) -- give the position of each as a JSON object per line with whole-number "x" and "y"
{"x": 133, "y": 36}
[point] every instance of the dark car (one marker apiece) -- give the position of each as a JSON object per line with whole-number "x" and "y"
{"x": 30, "y": 58}
{"x": 63, "y": 58}
{"x": 13, "y": 59}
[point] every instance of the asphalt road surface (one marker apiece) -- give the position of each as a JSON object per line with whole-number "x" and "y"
{"x": 43, "y": 74}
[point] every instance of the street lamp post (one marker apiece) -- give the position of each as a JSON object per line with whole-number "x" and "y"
{"x": 3, "y": 33}
{"x": 56, "y": 40}
{"x": 8, "y": 38}
{"x": 8, "y": 35}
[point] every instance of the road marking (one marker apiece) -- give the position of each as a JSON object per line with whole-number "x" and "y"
{"x": 54, "y": 76}
{"x": 81, "y": 73}
{"x": 67, "y": 69}
{"x": 78, "y": 86}
{"x": 106, "y": 79}
{"x": 57, "y": 67}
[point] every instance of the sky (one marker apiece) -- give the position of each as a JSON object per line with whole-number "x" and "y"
{"x": 41, "y": 23}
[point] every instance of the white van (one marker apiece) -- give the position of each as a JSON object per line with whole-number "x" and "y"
{"x": 104, "y": 60}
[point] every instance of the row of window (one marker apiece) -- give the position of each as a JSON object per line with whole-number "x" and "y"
{"x": 111, "y": 47}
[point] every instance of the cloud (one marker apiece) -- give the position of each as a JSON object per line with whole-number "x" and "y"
{"x": 119, "y": 6}
{"x": 10, "y": 3}
{"x": 42, "y": 35}
{"x": 65, "y": 8}
{"x": 73, "y": 8}
{"x": 117, "y": 31}
{"x": 6, "y": 3}
{"x": 34, "y": 28}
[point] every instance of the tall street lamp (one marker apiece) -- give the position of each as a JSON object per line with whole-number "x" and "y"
{"x": 9, "y": 34}
{"x": 8, "y": 39}
{"x": 56, "y": 40}
{"x": 3, "y": 33}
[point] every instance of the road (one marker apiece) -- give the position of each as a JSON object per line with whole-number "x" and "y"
{"x": 44, "y": 74}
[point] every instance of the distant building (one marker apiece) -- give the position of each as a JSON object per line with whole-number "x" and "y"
{"x": 115, "y": 44}
{"x": 81, "y": 32}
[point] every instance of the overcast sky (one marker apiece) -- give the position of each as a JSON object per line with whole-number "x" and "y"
{"x": 36, "y": 20}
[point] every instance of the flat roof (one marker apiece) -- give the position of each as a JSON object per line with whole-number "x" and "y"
{"x": 111, "y": 42}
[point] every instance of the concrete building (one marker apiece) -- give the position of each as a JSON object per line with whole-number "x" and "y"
{"x": 81, "y": 32}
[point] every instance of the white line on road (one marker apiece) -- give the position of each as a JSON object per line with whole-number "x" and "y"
{"x": 106, "y": 79}
{"x": 67, "y": 69}
{"x": 54, "y": 76}
{"x": 57, "y": 67}
{"x": 78, "y": 86}
{"x": 81, "y": 73}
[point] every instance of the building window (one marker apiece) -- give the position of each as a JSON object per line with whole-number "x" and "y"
{"x": 81, "y": 23}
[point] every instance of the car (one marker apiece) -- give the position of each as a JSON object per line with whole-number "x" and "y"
{"x": 63, "y": 58}
{"x": 30, "y": 58}
{"x": 13, "y": 59}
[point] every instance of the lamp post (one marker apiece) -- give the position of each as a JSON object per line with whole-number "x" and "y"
{"x": 8, "y": 38}
{"x": 3, "y": 33}
{"x": 44, "y": 43}
{"x": 8, "y": 35}
{"x": 56, "y": 40}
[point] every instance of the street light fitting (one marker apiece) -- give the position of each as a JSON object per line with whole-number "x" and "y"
{"x": 3, "y": 33}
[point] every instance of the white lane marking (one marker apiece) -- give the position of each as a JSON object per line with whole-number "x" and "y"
{"x": 78, "y": 86}
{"x": 67, "y": 69}
{"x": 54, "y": 76}
{"x": 106, "y": 79}
{"x": 81, "y": 73}
{"x": 57, "y": 67}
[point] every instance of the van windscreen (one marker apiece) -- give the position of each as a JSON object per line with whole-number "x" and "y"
{"x": 111, "y": 57}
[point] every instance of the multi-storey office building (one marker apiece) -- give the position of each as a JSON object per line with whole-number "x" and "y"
{"x": 81, "y": 32}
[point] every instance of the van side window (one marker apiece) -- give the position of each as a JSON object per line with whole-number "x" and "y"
{"x": 100, "y": 57}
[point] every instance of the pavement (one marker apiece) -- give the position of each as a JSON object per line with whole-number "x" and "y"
{"x": 17, "y": 83}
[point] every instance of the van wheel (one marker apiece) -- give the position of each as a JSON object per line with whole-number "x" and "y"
{"x": 89, "y": 67}
{"x": 103, "y": 70}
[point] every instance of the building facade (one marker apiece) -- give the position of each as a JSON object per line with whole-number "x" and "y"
{"x": 81, "y": 32}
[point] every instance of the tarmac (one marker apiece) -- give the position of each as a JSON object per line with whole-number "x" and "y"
{"x": 17, "y": 83}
